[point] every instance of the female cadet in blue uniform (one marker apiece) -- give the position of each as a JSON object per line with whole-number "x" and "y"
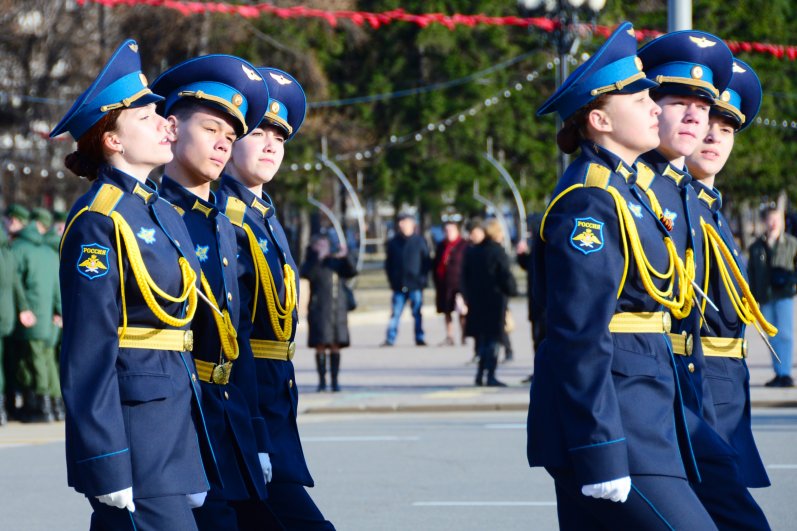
{"x": 233, "y": 101}
{"x": 128, "y": 284}
{"x": 269, "y": 291}
{"x": 601, "y": 416}
{"x": 724, "y": 347}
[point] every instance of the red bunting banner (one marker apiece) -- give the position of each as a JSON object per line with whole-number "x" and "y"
{"x": 377, "y": 20}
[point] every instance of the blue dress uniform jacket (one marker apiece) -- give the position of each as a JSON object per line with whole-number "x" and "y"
{"x": 129, "y": 410}
{"x": 679, "y": 204}
{"x": 603, "y": 405}
{"x": 228, "y": 416}
{"x": 277, "y": 391}
{"x": 728, "y": 378}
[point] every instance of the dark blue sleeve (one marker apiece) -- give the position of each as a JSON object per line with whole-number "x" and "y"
{"x": 581, "y": 287}
{"x": 98, "y": 457}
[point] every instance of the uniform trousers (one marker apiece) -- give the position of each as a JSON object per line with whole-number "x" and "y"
{"x": 655, "y": 503}
{"x": 38, "y": 370}
{"x": 726, "y": 498}
{"x": 243, "y": 515}
{"x": 152, "y": 514}
{"x": 295, "y": 509}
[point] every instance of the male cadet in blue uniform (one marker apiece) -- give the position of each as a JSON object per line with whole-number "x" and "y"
{"x": 210, "y": 102}
{"x": 269, "y": 293}
{"x": 693, "y": 69}
{"x": 724, "y": 346}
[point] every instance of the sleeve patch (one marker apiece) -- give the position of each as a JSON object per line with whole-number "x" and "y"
{"x": 587, "y": 235}
{"x": 93, "y": 261}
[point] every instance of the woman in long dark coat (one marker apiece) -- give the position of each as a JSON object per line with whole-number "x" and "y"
{"x": 487, "y": 284}
{"x": 328, "y": 307}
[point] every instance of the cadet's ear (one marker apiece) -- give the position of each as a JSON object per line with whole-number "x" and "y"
{"x": 111, "y": 143}
{"x": 172, "y": 127}
{"x": 599, "y": 120}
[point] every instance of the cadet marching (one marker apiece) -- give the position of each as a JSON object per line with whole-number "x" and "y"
{"x": 179, "y": 305}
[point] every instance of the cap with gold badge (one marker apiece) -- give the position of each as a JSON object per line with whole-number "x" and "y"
{"x": 224, "y": 82}
{"x": 287, "y": 103}
{"x": 120, "y": 85}
{"x": 742, "y": 99}
{"x": 613, "y": 69}
{"x": 688, "y": 63}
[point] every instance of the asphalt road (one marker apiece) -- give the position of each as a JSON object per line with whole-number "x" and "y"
{"x": 393, "y": 471}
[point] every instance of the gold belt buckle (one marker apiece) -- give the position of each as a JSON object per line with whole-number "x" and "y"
{"x": 744, "y": 348}
{"x": 188, "y": 341}
{"x": 291, "y": 350}
{"x": 221, "y": 373}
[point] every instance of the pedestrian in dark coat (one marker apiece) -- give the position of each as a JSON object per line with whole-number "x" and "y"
{"x": 487, "y": 284}
{"x": 407, "y": 267}
{"x": 329, "y": 305}
{"x": 447, "y": 272}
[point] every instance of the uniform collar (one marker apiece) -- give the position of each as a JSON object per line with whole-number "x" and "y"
{"x": 148, "y": 192}
{"x": 662, "y": 166}
{"x": 261, "y": 207}
{"x": 186, "y": 201}
{"x": 603, "y": 156}
{"x": 711, "y": 197}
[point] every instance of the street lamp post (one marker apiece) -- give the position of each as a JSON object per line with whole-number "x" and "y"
{"x": 565, "y": 38}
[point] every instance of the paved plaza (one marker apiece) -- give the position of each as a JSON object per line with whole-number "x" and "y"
{"x": 409, "y": 443}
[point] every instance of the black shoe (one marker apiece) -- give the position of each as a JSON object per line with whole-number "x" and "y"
{"x": 786, "y": 381}
{"x": 527, "y": 379}
{"x": 774, "y": 382}
{"x": 420, "y": 343}
{"x": 493, "y": 382}
{"x": 478, "y": 382}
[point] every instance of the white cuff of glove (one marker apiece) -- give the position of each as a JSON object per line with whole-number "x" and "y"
{"x": 121, "y": 499}
{"x": 616, "y": 490}
{"x": 196, "y": 500}
{"x": 265, "y": 466}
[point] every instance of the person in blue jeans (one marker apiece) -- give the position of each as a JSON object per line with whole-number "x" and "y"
{"x": 773, "y": 257}
{"x": 407, "y": 267}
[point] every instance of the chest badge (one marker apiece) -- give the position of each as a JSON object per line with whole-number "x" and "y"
{"x": 93, "y": 261}
{"x": 146, "y": 235}
{"x": 263, "y": 243}
{"x": 635, "y": 209}
{"x": 668, "y": 219}
{"x": 587, "y": 235}
{"x": 201, "y": 252}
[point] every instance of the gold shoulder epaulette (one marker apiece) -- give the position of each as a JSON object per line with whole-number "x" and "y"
{"x": 644, "y": 176}
{"x": 179, "y": 210}
{"x": 235, "y": 210}
{"x": 106, "y": 199}
{"x": 597, "y": 176}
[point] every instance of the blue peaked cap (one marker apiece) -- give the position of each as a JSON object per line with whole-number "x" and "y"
{"x": 120, "y": 85}
{"x": 219, "y": 81}
{"x": 287, "y": 103}
{"x": 688, "y": 62}
{"x": 742, "y": 99}
{"x": 613, "y": 69}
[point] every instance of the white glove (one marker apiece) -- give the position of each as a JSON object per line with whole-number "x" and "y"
{"x": 196, "y": 500}
{"x": 265, "y": 465}
{"x": 121, "y": 499}
{"x": 616, "y": 490}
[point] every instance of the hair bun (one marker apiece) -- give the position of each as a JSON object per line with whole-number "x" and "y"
{"x": 81, "y": 165}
